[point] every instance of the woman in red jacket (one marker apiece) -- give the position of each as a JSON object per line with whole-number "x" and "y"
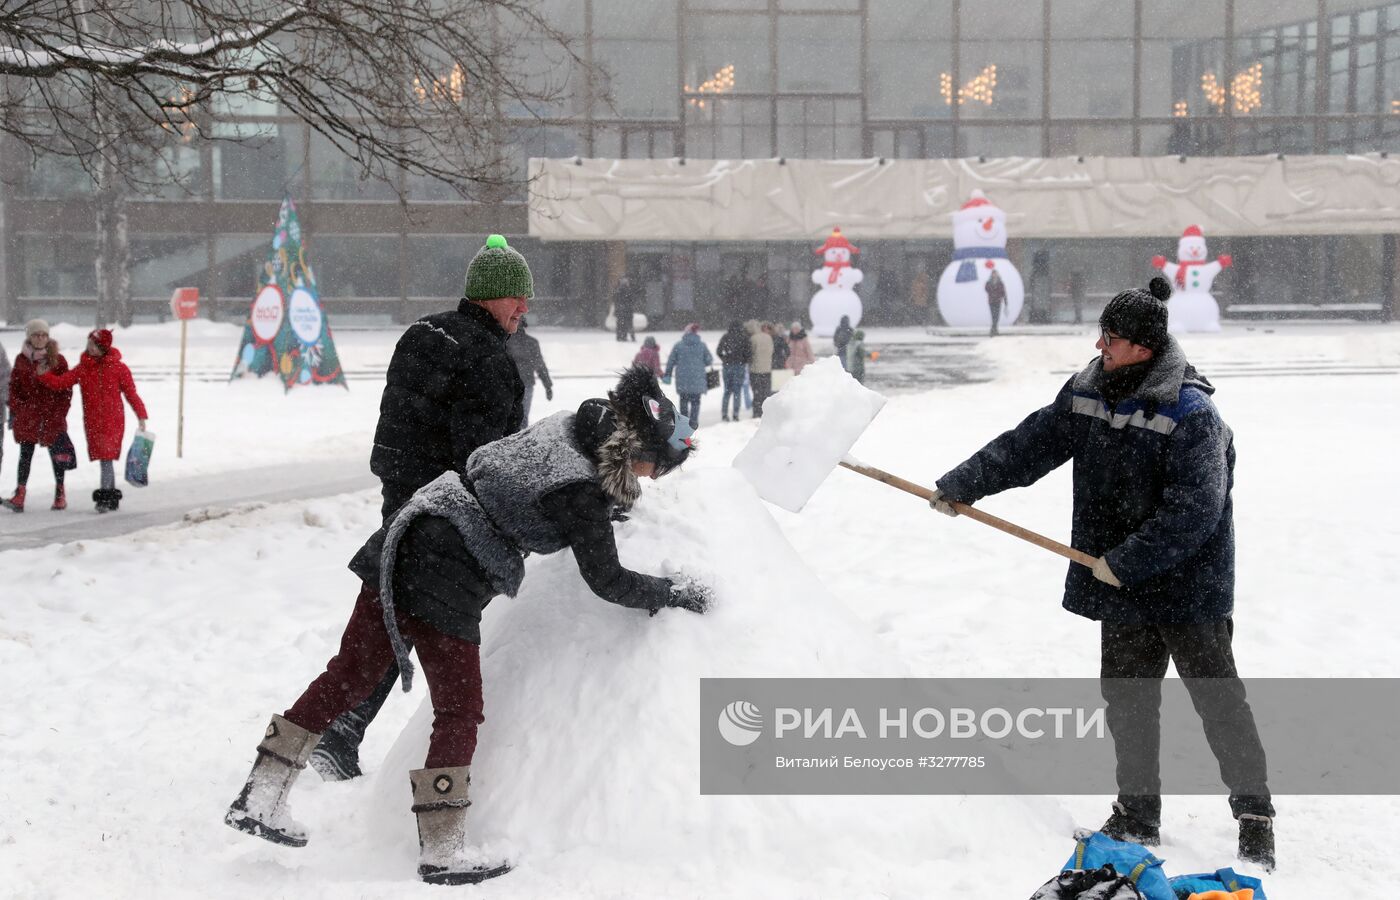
{"x": 39, "y": 415}
{"x": 105, "y": 379}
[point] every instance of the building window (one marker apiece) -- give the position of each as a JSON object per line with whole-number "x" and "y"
{"x": 910, "y": 50}
{"x": 1183, "y": 61}
{"x": 638, "y": 79}
{"x": 730, "y": 128}
{"x": 999, "y": 140}
{"x": 335, "y": 176}
{"x": 265, "y": 164}
{"x": 819, "y": 128}
{"x": 726, "y": 54}
{"x": 819, "y": 54}
{"x": 356, "y": 266}
{"x": 1092, "y": 79}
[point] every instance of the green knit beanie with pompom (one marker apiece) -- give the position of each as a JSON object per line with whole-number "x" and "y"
{"x": 498, "y": 271}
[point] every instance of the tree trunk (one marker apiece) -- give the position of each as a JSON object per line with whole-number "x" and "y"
{"x": 113, "y": 264}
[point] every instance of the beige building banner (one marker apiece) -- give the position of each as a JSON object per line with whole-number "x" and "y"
{"x": 803, "y": 199}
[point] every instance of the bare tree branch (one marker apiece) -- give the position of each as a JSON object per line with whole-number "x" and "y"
{"x": 412, "y": 86}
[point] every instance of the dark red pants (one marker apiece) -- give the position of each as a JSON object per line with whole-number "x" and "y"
{"x": 451, "y": 666}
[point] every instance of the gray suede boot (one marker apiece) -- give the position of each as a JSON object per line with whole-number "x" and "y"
{"x": 440, "y": 802}
{"x": 261, "y": 807}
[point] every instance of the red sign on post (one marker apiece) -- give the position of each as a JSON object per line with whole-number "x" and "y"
{"x": 184, "y": 303}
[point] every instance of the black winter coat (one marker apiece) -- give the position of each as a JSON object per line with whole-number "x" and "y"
{"x": 1152, "y": 481}
{"x": 734, "y": 348}
{"x": 451, "y": 387}
{"x": 841, "y": 337}
{"x": 529, "y": 361}
{"x": 780, "y": 352}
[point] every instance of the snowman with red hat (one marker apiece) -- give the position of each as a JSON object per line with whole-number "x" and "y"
{"x": 1192, "y": 307}
{"x": 979, "y": 248}
{"x": 836, "y": 281}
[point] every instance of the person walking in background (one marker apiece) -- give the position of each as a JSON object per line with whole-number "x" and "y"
{"x": 734, "y": 353}
{"x": 625, "y": 302}
{"x": 799, "y": 349}
{"x": 996, "y": 298}
{"x": 855, "y": 356}
{"x": 649, "y": 356}
{"x": 529, "y": 362}
{"x": 688, "y": 360}
{"x": 105, "y": 380}
{"x": 781, "y": 351}
{"x": 5, "y": 372}
{"x": 760, "y": 365}
{"x": 38, "y": 415}
{"x": 841, "y": 338}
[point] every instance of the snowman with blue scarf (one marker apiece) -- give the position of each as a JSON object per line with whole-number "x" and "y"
{"x": 979, "y": 248}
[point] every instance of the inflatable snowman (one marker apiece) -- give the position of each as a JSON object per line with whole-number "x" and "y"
{"x": 1192, "y": 307}
{"x": 836, "y": 281}
{"x": 979, "y": 248}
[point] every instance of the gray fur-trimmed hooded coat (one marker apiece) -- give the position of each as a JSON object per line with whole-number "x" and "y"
{"x": 461, "y": 540}
{"x": 1152, "y": 480}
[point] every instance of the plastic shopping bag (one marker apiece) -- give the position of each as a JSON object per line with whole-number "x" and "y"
{"x": 138, "y": 458}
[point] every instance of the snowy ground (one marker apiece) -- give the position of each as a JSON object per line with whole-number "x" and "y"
{"x": 139, "y": 670}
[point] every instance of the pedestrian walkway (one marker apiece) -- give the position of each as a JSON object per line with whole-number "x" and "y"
{"x": 182, "y": 499}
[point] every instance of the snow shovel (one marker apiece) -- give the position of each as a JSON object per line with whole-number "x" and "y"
{"x": 971, "y": 512}
{"x": 806, "y": 432}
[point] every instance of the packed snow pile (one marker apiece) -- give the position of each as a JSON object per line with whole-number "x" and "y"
{"x": 807, "y": 428}
{"x": 591, "y": 740}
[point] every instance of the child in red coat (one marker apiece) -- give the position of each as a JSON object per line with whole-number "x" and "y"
{"x": 38, "y": 415}
{"x": 105, "y": 379}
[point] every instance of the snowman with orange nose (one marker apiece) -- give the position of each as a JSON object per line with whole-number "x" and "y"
{"x": 979, "y": 248}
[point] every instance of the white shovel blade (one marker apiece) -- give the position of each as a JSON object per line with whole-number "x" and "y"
{"x": 805, "y": 431}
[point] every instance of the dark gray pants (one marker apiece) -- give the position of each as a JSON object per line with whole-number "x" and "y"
{"x": 1134, "y": 661}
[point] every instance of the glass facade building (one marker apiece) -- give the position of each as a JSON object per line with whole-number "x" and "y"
{"x": 783, "y": 78}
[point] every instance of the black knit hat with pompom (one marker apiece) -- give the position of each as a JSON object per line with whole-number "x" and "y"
{"x": 1140, "y": 316}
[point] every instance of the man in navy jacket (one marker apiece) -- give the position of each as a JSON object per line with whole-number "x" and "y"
{"x": 1153, "y": 469}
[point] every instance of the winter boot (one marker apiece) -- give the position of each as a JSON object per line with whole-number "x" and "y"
{"x": 1124, "y": 826}
{"x": 60, "y": 499}
{"x": 440, "y": 802}
{"x": 337, "y": 756}
{"x": 261, "y": 807}
{"x": 1257, "y": 841}
{"x": 107, "y": 499}
{"x": 16, "y": 503}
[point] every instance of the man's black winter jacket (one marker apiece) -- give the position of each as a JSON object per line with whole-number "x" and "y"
{"x": 451, "y": 387}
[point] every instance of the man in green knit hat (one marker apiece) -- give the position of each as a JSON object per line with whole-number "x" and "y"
{"x": 451, "y": 387}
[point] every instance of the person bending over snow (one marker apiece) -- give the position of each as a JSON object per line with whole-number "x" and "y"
{"x": 460, "y": 541}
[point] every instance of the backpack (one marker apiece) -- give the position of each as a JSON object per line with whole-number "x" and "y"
{"x": 1219, "y": 880}
{"x": 1094, "y": 850}
{"x": 1092, "y": 884}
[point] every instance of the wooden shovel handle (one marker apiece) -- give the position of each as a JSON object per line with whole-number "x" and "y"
{"x": 999, "y": 524}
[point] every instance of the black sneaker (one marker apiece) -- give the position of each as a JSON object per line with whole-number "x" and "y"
{"x": 1257, "y": 841}
{"x": 336, "y": 757}
{"x": 1124, "y": 826}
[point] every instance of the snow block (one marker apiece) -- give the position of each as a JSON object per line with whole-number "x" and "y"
{"x": 590, "y": 750}
{"x": 805, "y": 432}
